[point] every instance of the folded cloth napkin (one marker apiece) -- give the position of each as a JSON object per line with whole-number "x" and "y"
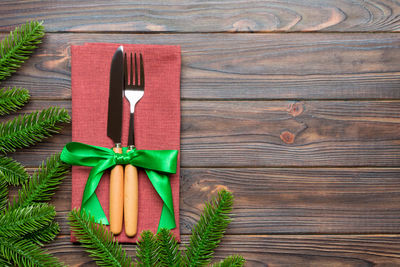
{"x": 157, "y": 120}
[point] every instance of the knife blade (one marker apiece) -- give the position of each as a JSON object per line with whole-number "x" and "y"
{"x": 114, "y": 130}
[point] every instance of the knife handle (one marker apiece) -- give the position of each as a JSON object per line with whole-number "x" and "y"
{"x": 116, "y": 196}
{"x": 131, "y": 199}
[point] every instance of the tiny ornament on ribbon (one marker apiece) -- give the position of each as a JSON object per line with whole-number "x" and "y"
{"x": 158, "y": 164}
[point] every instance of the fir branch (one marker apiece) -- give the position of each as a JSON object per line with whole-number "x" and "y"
{"x": 44, "y": 235}
{"x": 25, "y": 253}
{"x": 16, "y": 47}
{"x": 12, "y": 171}
{"x": 28, "y": 129}
{"x": 24, "y": 220}
{"x": 97, "y": 240}
{"x": 209, "y": 230}
{"x": 12, "y": 99}
{"x": 147, "y": 252}
{"x": 168, "y": 249}
{"x": 231, "y": 261}
{"x": 3, "y": 194}
{"x": 5, "y": 263}
{"x": 44, "y": 182}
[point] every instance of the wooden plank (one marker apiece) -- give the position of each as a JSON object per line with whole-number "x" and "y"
{"x": 279, "y": 133}
{"x": 215, "y": 16}
{"x": 285, "y": 201}
{"x": 271, "y": 134}
{"x": 244, "y": 66}
{"x": 293, "y": 250}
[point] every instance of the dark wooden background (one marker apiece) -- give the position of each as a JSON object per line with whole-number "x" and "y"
{"x": 292, "y": 105}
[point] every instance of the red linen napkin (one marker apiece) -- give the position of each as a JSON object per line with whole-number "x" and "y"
{"x": 157, "y": 120}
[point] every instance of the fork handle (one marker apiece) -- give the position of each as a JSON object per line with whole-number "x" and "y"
{"x": 116, "y": 196}
{"x": 131, "y": 199}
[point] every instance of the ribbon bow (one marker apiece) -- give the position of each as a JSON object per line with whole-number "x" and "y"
{"x": 157, "y": 164}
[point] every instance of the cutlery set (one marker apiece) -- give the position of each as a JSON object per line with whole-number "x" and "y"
{"x": 124, "y": 182}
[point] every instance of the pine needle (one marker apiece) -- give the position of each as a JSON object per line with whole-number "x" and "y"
{"x": 97, "y": 240}
{"x": 168, "y": 248}
{"x": 3, "y": 194}
{"x": 206, "y": 235}
{"x": 28, "y": 129}
{"x": 147, "y": 253}
{"x": 231, "y": 261}
{"x": 12, "y": 99}
{"x": 12, "y": 171}
{"x": 24, "y": 220}
{"x": 44, "y": 235}
{"x": 5, "y": 263}
{"x": 44, "y": 182}
{"x": 25, "y": 253}
{"x": 16, "y": 47}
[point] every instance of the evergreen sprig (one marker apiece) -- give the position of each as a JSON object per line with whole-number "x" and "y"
{"x": 168, "y": 248}
{"x": 3, "y": 194}
{"x": 97, "y": 240}
{"x": 20, "y": 221}
{"x": 44, "y": 182}
{"x": 147, "y": 252}
{"x": 44, "y": 235}
{"x": 28, "y": 129}
{"x": 231, "y": 261}
{"x": 12, "y": 99}
{"x": 4, "y": 262}
{"x": 12, "y": 171}
{"x": 162, "y": 249}
{"x": 208, "y": 232}
{"x": 16, "y": 47}
{"x": 25, "y": 253}
{"x": 27, "y": 223}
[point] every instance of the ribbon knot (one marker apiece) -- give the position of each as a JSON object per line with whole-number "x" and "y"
{"x": 121, "y": 159}
{"x": 158, "y": 164}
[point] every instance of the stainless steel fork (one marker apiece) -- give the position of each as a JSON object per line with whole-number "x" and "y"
{"x": 134, "y": 91}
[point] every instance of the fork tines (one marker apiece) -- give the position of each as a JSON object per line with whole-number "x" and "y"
{"x": 138, "y": 83}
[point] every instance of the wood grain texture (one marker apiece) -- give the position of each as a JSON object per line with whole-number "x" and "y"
{"x": 283, "y": 251}
{"x": 271, "y": 134}
{"x": 301, "y": 127}
{"x": 285, "y": 201}
{"x": 244, "y": 66}
{"x": 214, "y": 16}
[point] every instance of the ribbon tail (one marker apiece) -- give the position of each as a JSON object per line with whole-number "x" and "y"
{"x": 93, "y": 208}
{"x": 167, "y": 219}
{"x": 90, "y": 202}
{"x": 162, "y": 185}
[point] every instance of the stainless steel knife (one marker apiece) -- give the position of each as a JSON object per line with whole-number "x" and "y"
{"x": 114, "y": 129}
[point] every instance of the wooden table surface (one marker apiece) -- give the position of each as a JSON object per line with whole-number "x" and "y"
{"x": 292, "y": 105}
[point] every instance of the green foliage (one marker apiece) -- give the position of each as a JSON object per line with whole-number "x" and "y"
{"x": 168, "y": 249}
{"x": 43, "y": 183}
{"x": 208, "y": 232}
{"x": 44, "y": 235}
{"x": 97, "y": 240}
{"x": 162, "y": 249}
{"x": 26, "y": 224}
{"x": 16, "y": 47}
{"x": 4, "y": 262}
{"x": 24, "y": 253}
{"x": 12, "y": 171}
{"x": 147, "y": 250}
{"x": 12, "y": 99}
{"x": 28, "y": 129}
{"x": 3, "y": 194}
{"x": 24, "y": 220}
{"x": 231, "y": 261}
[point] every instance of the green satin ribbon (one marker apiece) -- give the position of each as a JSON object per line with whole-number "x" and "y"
{"x": 158, "y": 164}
